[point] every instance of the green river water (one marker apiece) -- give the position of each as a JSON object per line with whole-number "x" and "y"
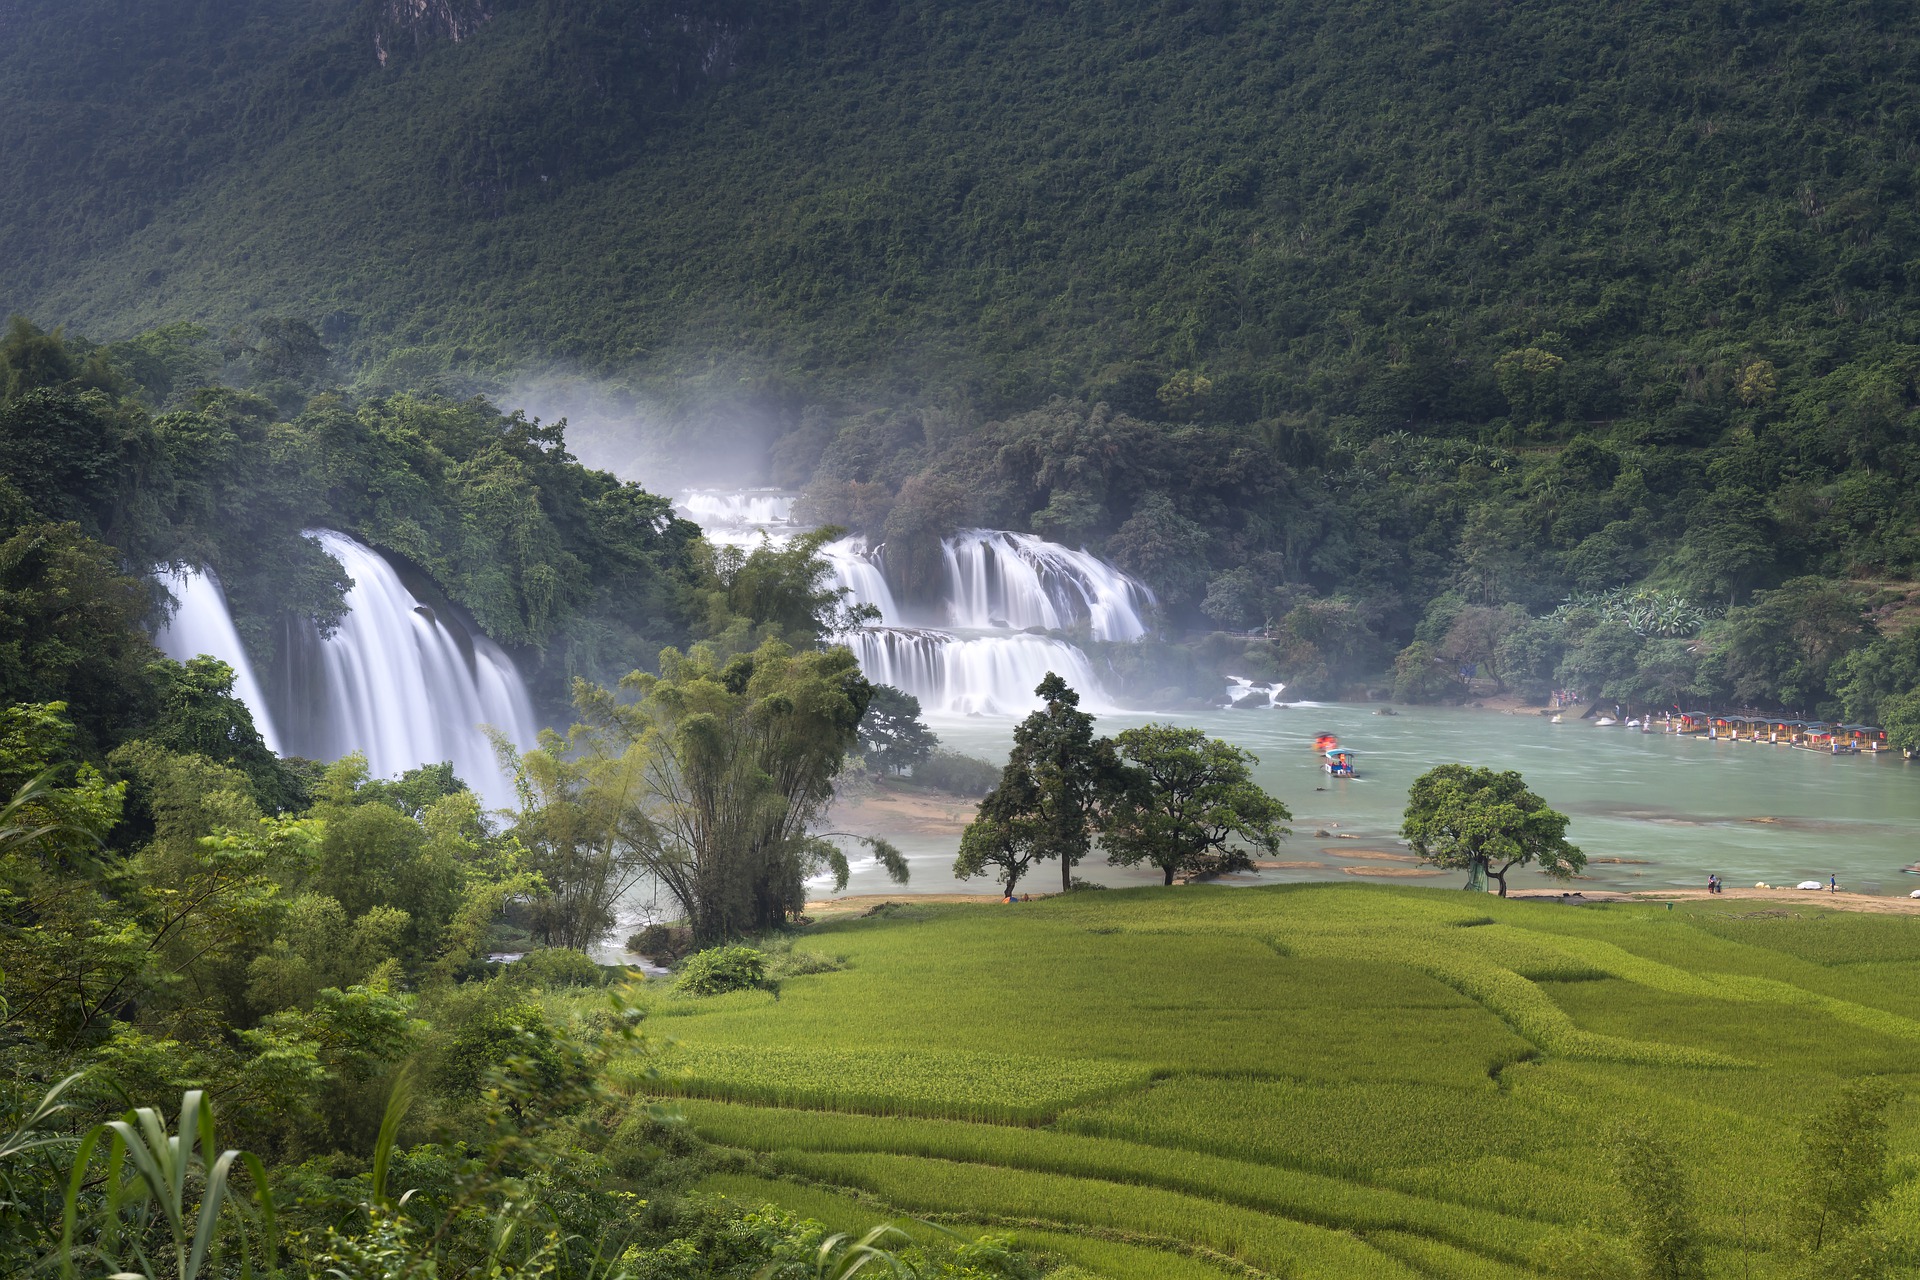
{"x": 1651, "y": 811}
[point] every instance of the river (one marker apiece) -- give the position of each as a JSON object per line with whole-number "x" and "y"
{"x": 1651, "y": 811}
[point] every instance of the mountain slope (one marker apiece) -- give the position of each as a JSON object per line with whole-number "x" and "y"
{"x": 1317, "y": 202}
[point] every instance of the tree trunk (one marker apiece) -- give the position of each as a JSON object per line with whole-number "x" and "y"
{"x": 1169, "y": 871}
{"x": 1066, "y": 874}
{"x": 1500, "y": 877}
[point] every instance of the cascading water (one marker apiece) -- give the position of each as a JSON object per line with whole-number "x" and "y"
{"x": 1015, "y": 580}
{"x": 973, "y": 655}
{"x": 858, "y": 571}
{"x": 202, "y": 625}
{"x": 401, "y": 684}
{"x": 983, "y": 675}
{"x": 708, "y": 508}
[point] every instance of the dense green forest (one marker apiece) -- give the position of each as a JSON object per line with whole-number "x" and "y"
{"x": 1549, "y": 339}
{"x": 319, "y": 957}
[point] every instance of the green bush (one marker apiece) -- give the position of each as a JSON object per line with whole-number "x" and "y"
{"x": 557, "y": 967}
{"x": 962, "y": 775}
{"x": 718, "y": 970}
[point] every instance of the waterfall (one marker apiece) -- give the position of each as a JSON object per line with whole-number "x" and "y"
{"x": 973, "y": 654}
{"x": 1002, "y": 580}
{"x": 970, "y": 675}
{"x": 202, "y": 625}
{"x": 401, "y": 684}
{"x": 859, "y": 571}
{"x": 708, "y": 508}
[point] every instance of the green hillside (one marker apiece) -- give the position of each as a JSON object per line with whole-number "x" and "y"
{"x": 1575, "y": 344}
{"x": 1354, "y": 205}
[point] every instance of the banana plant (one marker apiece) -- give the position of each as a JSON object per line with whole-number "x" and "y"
{"x": 149, "y": 1181}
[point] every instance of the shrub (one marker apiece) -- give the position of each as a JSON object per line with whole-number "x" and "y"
{"x": 557, "y": 967}
{"x": 663, "y": 943}
{"x": 718, "y": 970}
{"x": 961, "y": 775}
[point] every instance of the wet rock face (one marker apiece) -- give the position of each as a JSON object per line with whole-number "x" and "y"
{"x": 405, "y": 25}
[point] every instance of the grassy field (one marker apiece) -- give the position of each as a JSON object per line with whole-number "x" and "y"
{"x": 1315, "y": 1080}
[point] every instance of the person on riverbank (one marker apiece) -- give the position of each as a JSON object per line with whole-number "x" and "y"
{"x": 1833, "y": 883}
{"x": 1713, "y": 884}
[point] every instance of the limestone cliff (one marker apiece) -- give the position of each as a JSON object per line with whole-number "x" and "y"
{"x": 404, "y": 25}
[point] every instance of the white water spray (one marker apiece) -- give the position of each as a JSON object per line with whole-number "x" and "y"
{"x": 709, "y": 509}
{"x": 991, "y": 675}
{"x": 402, "y": 685}
{"x": 203, "y": 625}
{"x": 972, "y": 655}
{"x": 1006, "y": 580}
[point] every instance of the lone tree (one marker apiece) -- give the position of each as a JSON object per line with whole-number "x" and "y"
{"x": 1052, "y": 789}
{"x": 1487, "y": 824}
{"x": 1004, "y": 836}
{"x": 1192, "y": 808}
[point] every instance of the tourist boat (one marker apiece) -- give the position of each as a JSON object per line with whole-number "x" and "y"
{"x": 1339, "y": 762}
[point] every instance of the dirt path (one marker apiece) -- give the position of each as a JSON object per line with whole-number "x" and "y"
{"x": 1842, "y": 901}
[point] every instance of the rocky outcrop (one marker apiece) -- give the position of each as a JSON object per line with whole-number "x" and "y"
{"x": 405, "y": 25}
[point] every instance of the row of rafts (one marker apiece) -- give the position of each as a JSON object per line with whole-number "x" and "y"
{"x": 407, "y": 683}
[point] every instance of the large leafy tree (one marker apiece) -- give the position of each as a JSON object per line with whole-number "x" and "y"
{"x": 1486, "y": 823}
{"x": 1054, "y": 785}
{"x": 892, "y": 733}
{"x": 1192, "y": 808}
{"x": 1006, "y": 835}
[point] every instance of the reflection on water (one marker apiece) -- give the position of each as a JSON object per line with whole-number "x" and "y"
{"x": 1661, "y": 811}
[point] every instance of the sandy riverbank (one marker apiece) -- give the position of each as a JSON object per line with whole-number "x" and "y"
{"x": 1842, "y": 901}
{"x": 859, "y": 904}
{"x": 887, "y": 811}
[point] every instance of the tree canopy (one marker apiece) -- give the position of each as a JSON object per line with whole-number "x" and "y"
{"x": 1191, "y": 807}
{"x": 1486, "y": 823}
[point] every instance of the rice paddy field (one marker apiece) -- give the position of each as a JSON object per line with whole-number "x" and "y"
{"x": 1297, "y": 1081}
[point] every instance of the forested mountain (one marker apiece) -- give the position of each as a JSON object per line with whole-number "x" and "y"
{"x": 1318, "y": 202}
{"x": 1329, "y": 320}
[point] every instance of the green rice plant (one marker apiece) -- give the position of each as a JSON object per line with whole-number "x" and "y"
{"x": 1305, "y": 1197}
{"x": 1802, "y": 1034}
{"x": 1834, "y": 938}
{"x": 838, "y": 1211}
{"x": 168, "y": 1173}
{"x": 1443, "y": 1261}
{"x": 1273, "y": 1244}
{"x": 1344, "y": 1129}
{"x": 1504, "y": 993}
{"x": 1121, "y": 1260}
{"x": 960, "y": 1084}
{"x": 1381, "y": 1074}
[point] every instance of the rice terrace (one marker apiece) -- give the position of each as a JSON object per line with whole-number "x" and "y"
{"x": 1304, "y": 1080}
